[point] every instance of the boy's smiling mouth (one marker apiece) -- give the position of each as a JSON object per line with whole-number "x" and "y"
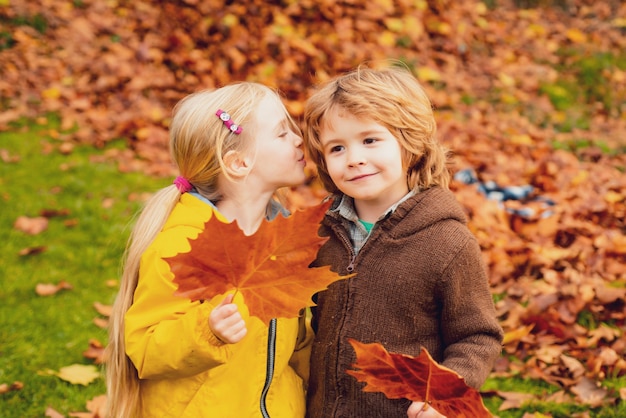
{"x": 360, "y": 176}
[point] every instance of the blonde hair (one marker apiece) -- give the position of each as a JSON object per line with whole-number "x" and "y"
{"x": 393, "y": 98}
{"x": 198, "y": 142}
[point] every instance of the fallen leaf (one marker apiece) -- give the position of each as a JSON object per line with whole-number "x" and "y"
{"x": 52, "y": 413}
{"x": 32, "y": 250}
{"x": 517, "y": 334}
{"x": 48, "y": 289}
{"x": 31, "y": 226}
{"x": 513, "y": 400}
{"x": 272, "y": 273}
{"x": 5, "y": 156}
{"x": 590, "y": 392}
{"x": 4, "y": 388}
{"x": 70, "y": 223}
{"x": 52, "y": 213}
{"x": 95, "y": 406}
{"x": 113, "y": 283}
{"x": 101, "y": 322}
{"x": 419, "y": 379}
{"x": 95, "y": 351}
{"x": 78, "y": 374}
{"x": 108, "y": 203}
{"x": 104, "y": 310}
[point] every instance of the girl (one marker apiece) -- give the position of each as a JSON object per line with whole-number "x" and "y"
{"x": 168, "y": 356}
{"x": 420, "y": 280}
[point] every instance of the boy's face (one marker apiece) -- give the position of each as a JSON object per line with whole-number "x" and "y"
{"x": 364, "y": 161}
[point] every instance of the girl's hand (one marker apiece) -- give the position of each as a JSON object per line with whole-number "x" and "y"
{"x": 422, "y": 410}
{"x": 226, "y": 322}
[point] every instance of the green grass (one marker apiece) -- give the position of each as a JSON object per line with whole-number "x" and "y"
{"x": 40, "y": 333}
{"x": 541, "y": 390}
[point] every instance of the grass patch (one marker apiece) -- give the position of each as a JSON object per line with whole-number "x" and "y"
{"x": 542, "y": 390}
{"x": 40, "y": 333}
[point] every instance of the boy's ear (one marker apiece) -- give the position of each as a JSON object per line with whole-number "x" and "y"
{"x": 237, "y": 164}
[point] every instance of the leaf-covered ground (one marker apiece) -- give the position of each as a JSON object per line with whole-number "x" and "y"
{"x": 524, "y": 96}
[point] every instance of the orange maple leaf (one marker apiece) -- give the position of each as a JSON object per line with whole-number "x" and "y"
{"x": 419, "y": 379}
{"x": 270, "y": 268}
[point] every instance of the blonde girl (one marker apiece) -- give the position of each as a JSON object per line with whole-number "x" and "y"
{"x": 420, "y": 280}
{"x": 234, "y": 147}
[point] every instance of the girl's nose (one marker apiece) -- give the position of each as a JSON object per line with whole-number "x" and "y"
{"x": 297, "y": 140}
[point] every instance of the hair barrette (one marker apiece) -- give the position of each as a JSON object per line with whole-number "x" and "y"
{"x": 225, "y": 117}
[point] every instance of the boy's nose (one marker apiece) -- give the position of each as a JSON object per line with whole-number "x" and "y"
{"x": 356, "y": 158}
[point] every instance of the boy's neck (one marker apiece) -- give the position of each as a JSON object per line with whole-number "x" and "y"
{"x": 371, "y": 210}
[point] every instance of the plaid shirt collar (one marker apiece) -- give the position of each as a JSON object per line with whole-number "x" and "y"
{"x": 357, "y": 232}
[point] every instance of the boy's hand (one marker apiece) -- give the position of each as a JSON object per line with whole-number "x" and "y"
{"x": 422, "y": 410}
{"x": 226, "y": 322}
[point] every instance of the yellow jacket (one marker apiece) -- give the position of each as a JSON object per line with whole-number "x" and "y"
{"x": 184, "y": 370}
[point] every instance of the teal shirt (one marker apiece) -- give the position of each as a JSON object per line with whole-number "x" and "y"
{"x": 368, "y": 225}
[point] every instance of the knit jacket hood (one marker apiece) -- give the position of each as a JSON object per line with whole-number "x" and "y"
{"x": 420, "y": 282}
{"x": 184, "y": 370}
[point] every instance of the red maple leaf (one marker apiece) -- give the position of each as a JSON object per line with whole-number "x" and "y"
{"x": 419, "y": 379}
{"x": 269, "y": 268}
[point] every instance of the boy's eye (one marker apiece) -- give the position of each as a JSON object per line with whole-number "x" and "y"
{"x": 336, "y": 148}
{"x": 369, "y": 140}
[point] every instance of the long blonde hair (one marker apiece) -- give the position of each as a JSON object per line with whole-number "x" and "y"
{"x": 392, "y": 97}
{"x": 198, "y": 142}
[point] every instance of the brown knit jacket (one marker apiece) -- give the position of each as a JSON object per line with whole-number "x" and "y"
{"x": 420, "y": 281}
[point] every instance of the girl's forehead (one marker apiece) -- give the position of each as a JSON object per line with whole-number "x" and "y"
{"x": 270, "y": 107}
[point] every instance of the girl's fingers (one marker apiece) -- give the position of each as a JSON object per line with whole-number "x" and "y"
{"x": 226, "y": 322}
{"x": 228, "y": 299}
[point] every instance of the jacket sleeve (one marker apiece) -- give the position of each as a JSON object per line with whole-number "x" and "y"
{"x": 167, "y": 336}
{"x": 471, "y": 332}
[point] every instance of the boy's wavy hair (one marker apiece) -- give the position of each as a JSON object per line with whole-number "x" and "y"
{"x": 198, "y": 142}
{"x": 393, "y": 98}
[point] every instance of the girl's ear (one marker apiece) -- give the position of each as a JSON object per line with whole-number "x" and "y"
{"x": 237, "y": 164}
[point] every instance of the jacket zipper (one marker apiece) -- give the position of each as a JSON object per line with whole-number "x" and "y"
{"x": 348, "y": 244}
{"x": 271, "y": 354}
{"x": 350, "y": 267}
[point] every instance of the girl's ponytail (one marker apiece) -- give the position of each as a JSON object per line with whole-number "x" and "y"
{"x": 123, "y": 399}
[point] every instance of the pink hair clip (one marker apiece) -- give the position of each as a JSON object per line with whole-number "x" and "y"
{"x": 225, "y": 117}
{"x": 182, "y": 184}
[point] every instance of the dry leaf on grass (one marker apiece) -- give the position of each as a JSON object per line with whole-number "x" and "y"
{"x": 78, "y": 374}
{"x": 95, "y": 406}
{"x": 31, "y": 226}
{"x": 4, "y": 387}
{"x": 48, "y": 289}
